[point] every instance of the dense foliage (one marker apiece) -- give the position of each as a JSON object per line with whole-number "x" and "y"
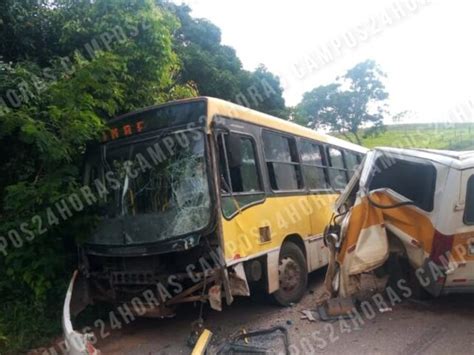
{"x": 66, "y": 66}
{"x": 216, "y": 69}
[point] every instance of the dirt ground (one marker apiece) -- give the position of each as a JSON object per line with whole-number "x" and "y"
{"x": 440, "y": 326}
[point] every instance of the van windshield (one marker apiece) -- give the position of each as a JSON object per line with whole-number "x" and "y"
{"x": 157, "y": 189}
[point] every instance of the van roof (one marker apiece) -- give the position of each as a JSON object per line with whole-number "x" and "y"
{"x": 455, "y": 159}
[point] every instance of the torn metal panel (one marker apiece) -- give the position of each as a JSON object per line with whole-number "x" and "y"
{"x": 364, "y": 244}
{"x": 384, "y": 211}
{"x": 215, "y": 297}
{"x": 238, "y": 281}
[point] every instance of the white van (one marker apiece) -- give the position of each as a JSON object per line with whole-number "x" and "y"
{"x": 407, "y": 213}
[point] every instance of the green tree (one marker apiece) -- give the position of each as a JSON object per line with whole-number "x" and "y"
{"x": 355, "y": 100}
{"x": 262, "y": 91}
{"x": 215, "y": 68}
{"x": 28, "y": 31}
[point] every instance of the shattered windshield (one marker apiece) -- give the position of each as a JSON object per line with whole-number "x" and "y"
{"x": 157, "y": 189}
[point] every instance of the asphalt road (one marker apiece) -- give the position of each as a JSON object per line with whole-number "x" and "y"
{"x": 439, "y": 326}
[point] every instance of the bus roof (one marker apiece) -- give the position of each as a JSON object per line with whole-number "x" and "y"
{"x": 227, "y": 109}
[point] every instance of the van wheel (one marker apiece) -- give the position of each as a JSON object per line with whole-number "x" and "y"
{"x": 399, "y": 269}
{"x": 293, "y": 275}
{"x": 418, "y": 291}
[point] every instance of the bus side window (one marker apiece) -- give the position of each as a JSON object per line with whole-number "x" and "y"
{"x": 240, "y": 179}
{"x": 337, "y": 170}
{"x": 312, "y": 159}
{"x": 282, "y": 161}
{"x": 244, "y": 176}
{"x": 238, "y": 164}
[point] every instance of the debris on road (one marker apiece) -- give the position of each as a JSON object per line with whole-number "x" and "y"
{"x": 307, "y": 314}
{"x": 385, "y": 309}
{"x": 336, "y": 309}
{"x": 235, "y": 347}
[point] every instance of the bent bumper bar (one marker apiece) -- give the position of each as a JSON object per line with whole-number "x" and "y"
{"x": 76, "y": 343}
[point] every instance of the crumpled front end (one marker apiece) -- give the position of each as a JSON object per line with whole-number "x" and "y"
{"x": 382, "y": 228}
{"x": 363, "y": 243}
{"x": 76, "y": 343}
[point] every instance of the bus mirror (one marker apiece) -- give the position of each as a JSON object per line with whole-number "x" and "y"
{"x": 234, "y": 151}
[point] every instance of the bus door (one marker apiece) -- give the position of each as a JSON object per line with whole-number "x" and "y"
{"x": 320, "y": 198}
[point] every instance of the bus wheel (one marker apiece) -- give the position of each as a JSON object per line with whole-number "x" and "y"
{"x": 293, "y": 275}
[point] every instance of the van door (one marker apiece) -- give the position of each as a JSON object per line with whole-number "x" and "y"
{"x": 463, "y": 244}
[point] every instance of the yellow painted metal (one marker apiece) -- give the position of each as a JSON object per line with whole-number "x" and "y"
{"x": 302, "y": 215}
{"x": 406, "y": 218}
{"x": 202, "y": 343}
{"x": 463, "y": 242}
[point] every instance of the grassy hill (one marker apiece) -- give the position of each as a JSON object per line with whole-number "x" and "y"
{"x": 436, "y": 136}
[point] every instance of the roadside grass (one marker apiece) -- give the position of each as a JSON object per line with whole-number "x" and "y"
{"x": 447, "y": 136}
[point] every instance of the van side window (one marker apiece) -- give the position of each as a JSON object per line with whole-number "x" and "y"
{"x": 337, "y": 170}
{"x": 282, "y": 161}
{"x": 413, "y": 180}
{"x": 469, "y": 209}
{"x": 312, "y": 159}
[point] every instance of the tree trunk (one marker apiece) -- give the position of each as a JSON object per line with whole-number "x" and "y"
{"x": 346, "y": 136}
{"x": 359, "y": 141}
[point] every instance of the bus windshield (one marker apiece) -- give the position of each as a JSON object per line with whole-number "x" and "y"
{"x": 157, "y": 189}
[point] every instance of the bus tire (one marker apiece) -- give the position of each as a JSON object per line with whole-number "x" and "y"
{"x": 293, "y": 275}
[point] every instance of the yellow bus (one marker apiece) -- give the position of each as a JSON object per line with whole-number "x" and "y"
{"x": 202, "y": 200}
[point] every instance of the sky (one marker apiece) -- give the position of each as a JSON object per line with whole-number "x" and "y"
{"x": 424, "y": 46}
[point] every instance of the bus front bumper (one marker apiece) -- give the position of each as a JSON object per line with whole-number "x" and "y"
{"x": 76, "y": 343}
